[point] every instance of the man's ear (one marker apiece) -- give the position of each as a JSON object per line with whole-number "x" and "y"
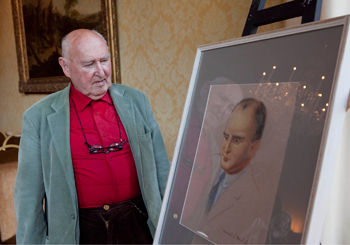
{"x": 63, "y": 63}
{"x": 253, "y": 148}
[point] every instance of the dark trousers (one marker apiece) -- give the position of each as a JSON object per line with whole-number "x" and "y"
{"x": 120, "y": 223}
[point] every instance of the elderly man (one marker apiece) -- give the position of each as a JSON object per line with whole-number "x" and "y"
{"x": 92, "y": 164}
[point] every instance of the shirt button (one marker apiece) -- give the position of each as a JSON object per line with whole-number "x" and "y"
{"x": 97, "y": 113}
{"x": 72, "y": 216}
{"x": 104, "y": 135}
{"x": 110, "y": 159}
{"x": 106, "y": 207}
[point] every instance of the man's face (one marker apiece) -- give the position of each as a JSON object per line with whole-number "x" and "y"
{"x": 237, "y": 149}
{"x": 89, "y": 65}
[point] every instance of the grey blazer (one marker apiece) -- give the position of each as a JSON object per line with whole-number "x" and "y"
{"x": 45, "y": 168}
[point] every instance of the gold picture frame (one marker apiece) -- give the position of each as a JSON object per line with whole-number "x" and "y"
{"x": 39, "y": 27}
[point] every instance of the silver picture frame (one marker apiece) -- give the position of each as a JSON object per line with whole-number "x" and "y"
{"x": 316, "y": 56}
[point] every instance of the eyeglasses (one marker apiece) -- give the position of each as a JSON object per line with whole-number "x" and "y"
{"x": 95, "y": 149}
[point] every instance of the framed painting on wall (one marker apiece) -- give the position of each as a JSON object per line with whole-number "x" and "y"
{"x": 39, "y": 28}
{"x": 258, "y": 139}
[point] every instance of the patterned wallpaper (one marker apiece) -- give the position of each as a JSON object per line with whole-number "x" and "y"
{"x": 158, "y": 40}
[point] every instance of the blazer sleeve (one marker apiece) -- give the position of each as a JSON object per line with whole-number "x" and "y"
{"x": 159, "y": 151}
{"x": 29, "y": 188}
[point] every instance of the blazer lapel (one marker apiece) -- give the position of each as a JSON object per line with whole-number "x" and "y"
{"x": 231, "y": 196}
{"x": 59, "y": 124}
{"x": 125, "y": 107}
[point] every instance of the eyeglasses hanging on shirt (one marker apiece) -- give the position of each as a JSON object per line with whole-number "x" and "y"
{"x": 94, "y": 149}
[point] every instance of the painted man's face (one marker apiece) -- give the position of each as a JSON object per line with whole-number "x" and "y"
{"x": 237, "y": 148}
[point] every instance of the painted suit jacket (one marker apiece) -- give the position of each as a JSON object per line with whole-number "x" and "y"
{"x": 45, "y": 168}
{"x": 237, "y": 216}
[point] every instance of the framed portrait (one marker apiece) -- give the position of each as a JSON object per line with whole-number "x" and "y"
{"x": 258, "y": 139}
{"x": 39, "y": 28}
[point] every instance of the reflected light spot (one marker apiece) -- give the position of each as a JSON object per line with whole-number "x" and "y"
{"x": 264, "y": 73}
{"x": 319, "y": 95}
{"x": 304, "y": 87}
{"x": 323, "y": 77}
{"x": 302, "y": 104}
{"x": 277, "y": 84}
{"x": 286, "y": 93}
{"x": 294, "y": 68}
{"x": 274, "y": 67}
{"x": 326, "y": 104}
{"x": 175, "y": 216}
{"x": 323, "y": 109}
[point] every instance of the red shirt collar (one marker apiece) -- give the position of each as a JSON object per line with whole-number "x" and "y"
{"x": 81, "y": 101}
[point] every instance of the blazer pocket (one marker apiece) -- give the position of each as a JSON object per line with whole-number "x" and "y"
{"x": 146, "y": 150}
{"x": 151, "y": 192}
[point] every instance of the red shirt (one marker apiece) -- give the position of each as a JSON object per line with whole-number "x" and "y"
{"x": 100, "y": 178}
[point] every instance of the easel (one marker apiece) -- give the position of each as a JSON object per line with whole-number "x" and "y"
{"x": 310, "y": 10}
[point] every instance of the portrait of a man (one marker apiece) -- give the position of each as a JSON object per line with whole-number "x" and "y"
{"x": 241, "y": 140}
{"x": 242, "y": 135}
{"x": 244, "y": 156}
